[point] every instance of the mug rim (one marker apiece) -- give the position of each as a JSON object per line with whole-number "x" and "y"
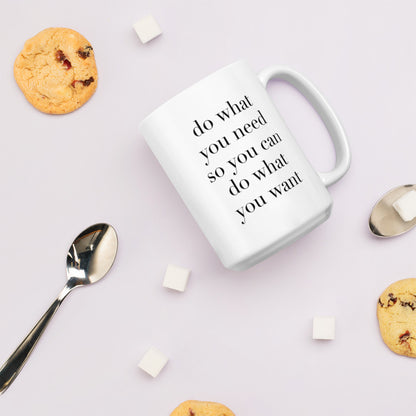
{"x": 182, "y": 92}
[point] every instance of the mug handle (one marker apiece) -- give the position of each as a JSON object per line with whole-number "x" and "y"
{"x": 325, "y": 112}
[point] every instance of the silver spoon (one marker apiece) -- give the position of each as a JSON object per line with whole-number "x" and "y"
{"x": 89, "y": 258}
{"x": 384, "y": 220}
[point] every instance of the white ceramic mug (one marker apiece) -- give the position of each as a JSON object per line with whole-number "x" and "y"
{"x": 236, "y": 165}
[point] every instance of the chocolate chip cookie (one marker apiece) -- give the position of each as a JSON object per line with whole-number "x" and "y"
{"x": 396, "y": 313}
{"x": 197, "y": 408}
{"x": 56, "y": 70}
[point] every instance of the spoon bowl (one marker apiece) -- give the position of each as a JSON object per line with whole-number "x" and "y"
{"x": 89, "y": 258}
{"x": 91, "y": 255}
{"x": 384, "y": 220}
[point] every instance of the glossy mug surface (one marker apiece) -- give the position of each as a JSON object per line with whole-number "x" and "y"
{"x": 236, "y": 165}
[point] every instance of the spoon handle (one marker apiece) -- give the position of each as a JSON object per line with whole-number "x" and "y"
{"x": 17, "y": 360}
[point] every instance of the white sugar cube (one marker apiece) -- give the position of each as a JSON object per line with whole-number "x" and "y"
{"x": 176, "y": 278}
{"x": 152, "y": 362}
{"x": 406, "y": 206}
{"x": 323, "y": 328}
{"x": 147, "y": 28}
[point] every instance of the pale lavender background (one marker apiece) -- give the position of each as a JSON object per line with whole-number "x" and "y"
{"x": 239, "y": 338}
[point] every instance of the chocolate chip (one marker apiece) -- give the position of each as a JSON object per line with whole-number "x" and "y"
{"x": 411, "y": 305}
{"x": 404, "y": 337}
{"x": 392, "y": 300}
{"x": 191, "y": 412}
{"x": 88, "y": 81}
{"x": 60, "y": 56}
{"x": 84, "y": 53}
{"x": 67, "y": 64}
{"x": 84, "y": 82}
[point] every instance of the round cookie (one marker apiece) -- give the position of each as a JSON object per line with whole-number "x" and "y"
{"x": 396, "y": 313}
{"x": 56, "y": 70}
{"x": 197, "y": 408}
